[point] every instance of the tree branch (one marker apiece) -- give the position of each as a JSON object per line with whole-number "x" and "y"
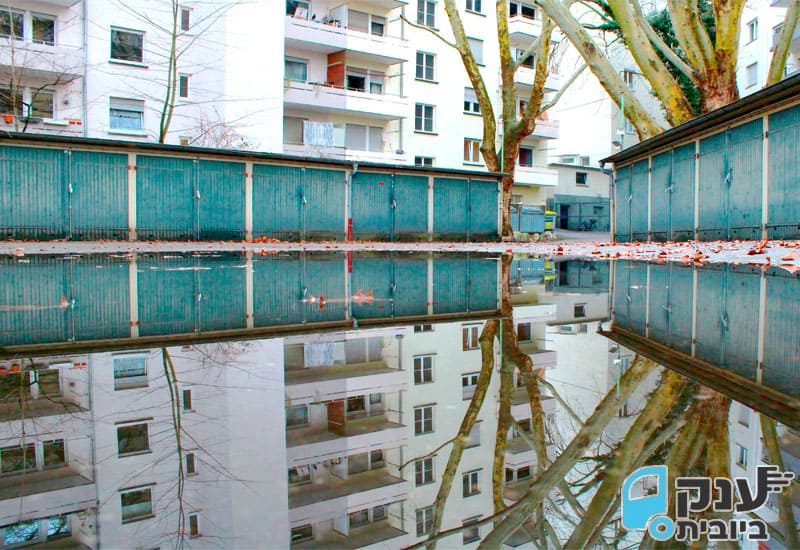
{"x": 430, "y": 30}
{"x": 564, "y": 87}
{"x": 781, "y": 52}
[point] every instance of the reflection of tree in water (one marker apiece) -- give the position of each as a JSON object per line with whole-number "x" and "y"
{"x": 681, "y": 425}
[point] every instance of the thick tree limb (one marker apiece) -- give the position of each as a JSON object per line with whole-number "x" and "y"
{"x": 538, "y": 491}
{"x": 781, "y": 52}
{"x": 659, "y": 44}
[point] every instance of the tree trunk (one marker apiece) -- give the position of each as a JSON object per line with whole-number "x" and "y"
{"x": 645, "y": 426}
{"x": 484, "y": 379}
{"x": 604, "y": 412}
{"x": 781, "y": 52}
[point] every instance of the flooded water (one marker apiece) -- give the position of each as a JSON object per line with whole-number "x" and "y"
{"x": 386, "y": 400}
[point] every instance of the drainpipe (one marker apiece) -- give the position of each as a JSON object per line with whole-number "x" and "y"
{"x": 85, "y": 107}
{"x": 350, "y": 203}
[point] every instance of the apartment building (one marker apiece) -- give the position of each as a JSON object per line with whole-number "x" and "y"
{"x": 315, "y": 78}
{"x": 89, "y": 443}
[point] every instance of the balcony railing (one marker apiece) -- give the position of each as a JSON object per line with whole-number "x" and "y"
{"x": 56, "y": 64}
{"x": 323, "y": 96}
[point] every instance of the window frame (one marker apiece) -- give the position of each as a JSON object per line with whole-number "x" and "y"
{"x": 183, "y": 86}
{"x": 425, "y": 371}
{"x": 43, "y": 16}
{"x": 138, "y": 451}
{"x": 421, "y": 118}
{"x": 526, "y": 163}
{"x": 125, "y": 105}
{"x": 11, "y": 34}
{"x": 123, "y": 60}
{"x": 129, "y": 381}
{"x": 424, "y": 518}
{"x": 472, "y": 147}
{"x": 142, "y": 516}
{"x": 751, "y": 75}
{"x": 470, "y": 336}
{"x": 752, "y": 30}
{"x": 424, "y": 473}
{"x": 423, "y": 162}
{"x": 424, "y": 66}
{"x": 424, "y": 424}
{"x": 186, "y": 19}
{"x": 297, "y": 61}
{"x": 471, "y": 6}
{"x": 471, "y": 483}
{"x": 582, "y": 179}
{"x": 471, "y": 534}
{"x": 471, "y": 104}
{"x": 468, "y": 389}
{"x": 297, "y": 425}
{"x": 477, "y": 42}
{"x": 579, "y": 310}
{"x": 426, "y": 13}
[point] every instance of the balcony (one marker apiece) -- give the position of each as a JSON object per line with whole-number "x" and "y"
{"x": 60, "y": 3}
{"x": 542, "y": 358}
{"x": 58, "y": 491}
{"x": 57, "y": 64}
{"x": 524, "y": 29}
{"x": 524, "y": 77}
{"x": 313, "y": 445}
{"x": 521, "y": 408}
{"x": 339, "y": 381}
{"x": 779, "y": 3}
{"x": 376, "y": 536}
{"x": 332, "y": 99}
{"x": 35, "y": 408}
{"x": 533, "y": 175}
{"x": 319, "y": 502}
{"x": 519, "y": 454}
{"x": 342, "y": 153}
{"x": 360, "y": 46}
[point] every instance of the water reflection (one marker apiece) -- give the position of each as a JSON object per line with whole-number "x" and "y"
{"x": 515, "y": 429}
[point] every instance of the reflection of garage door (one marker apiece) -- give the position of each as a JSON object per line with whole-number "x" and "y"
{"x": 563, "y": 221}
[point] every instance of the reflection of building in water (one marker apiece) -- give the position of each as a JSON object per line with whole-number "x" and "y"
{"x": 361, "y": 404}
{"x": 88, "y": 453}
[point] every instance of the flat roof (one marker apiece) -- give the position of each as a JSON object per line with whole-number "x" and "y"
{"x": 578, "y": 167}
{"x": 129, "y": 146}
{"x": 784, "y": 90}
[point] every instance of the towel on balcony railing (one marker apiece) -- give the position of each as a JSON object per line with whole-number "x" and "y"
{"x": 319, "y": 355}
{"x": 318, "y": 133}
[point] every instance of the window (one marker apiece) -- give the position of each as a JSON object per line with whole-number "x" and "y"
{"x": 187, "y": 400}
{"x": 130, "y": 371}
{"x": 752, "y": 75}
{"x": 377, "y": 25}
{"x": 585, "y": 161}
{"x": 752, "y": 31}
{"x": 744, "y": 416}
{"x": 295, "y": 69}
{"x": 186, "y": 21}
{"x": 126, "y": 115}
{"x": 471, "y": 534}
{"x": 44, "y": 29}
{"x": 132, "y": 438}
{"x": 474, "y": 438}
{"x": 53, "y": 453}
{"x": 526, "y": 156}
{"x": 471, "y": 104}
{"x": 630, "y": 79}
{"x": 426, "y": 13}
{"x": 423, "y": 328}
{"x": 366, "y": 22}
{"x": 423, "y": 369}
{"x": 741, "y": 458}
{"x": 529, "y": 62}
{"x": 299, "y": 9}
{"x": 469, "y": 337}
{"x": 293, "y": 130}
{"x": 579, "y": 310}
{"x": 472, "y": 150}
{"x": 367, "y": 516}
{"x": 580, "y": 178}
{"x": 302, "y": 532}
{"x": 11, "y": 101}
{"x": 136, "y": 504}
{"x": 423, "y": 419}
{"x": 363, "y": 138}
{"x": 183, "y": 85}
{"x": 524, "y": 332}
{"x": 476, "y": 47}
{"x": 424, "y": 520}
{"x": 12, "y": 24}
{"x": 41, "y": 104}
{"x": 474, "y": 5}
{"x": 471, "y": 483}
{"x": 190, "y": 464}
{"x": 468, "y": 384}
{"x": 17, "y": 458}
{"x": 629, "y": 127}
{"x": 194, "y": 525}
{"x": 423, "y": 118}
{"x": 423, "y": 162}
{"x": 423, "y": 471}
{"x": 297, "y": 416}
{"x": 127, "y": 45}
{"x": 518, "y": 9}
{"x": 425, "y": 66}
